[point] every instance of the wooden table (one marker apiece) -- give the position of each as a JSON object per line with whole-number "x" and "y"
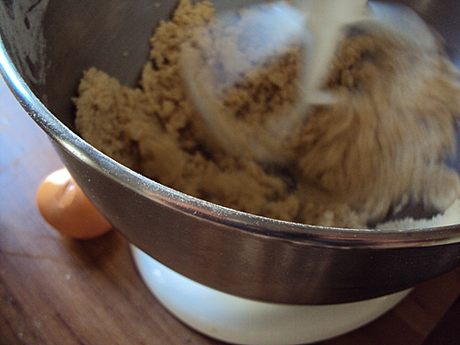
{"x": 54, "y": 290}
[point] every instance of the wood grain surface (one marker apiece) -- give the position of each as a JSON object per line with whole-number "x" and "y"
{"x": 54, "y": 290}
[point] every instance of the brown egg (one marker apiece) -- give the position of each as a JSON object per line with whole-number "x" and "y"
{"x": 64, "y": 206}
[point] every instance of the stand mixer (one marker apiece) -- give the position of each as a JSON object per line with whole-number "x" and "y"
{"x": 320, "y": 26}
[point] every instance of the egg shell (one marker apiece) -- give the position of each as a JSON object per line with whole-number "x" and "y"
{"x": 65, "y": 207}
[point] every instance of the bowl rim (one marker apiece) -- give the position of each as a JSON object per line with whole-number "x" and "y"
{"x": 258, "y": 225}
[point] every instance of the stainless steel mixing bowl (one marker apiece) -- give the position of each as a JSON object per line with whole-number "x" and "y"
{"x": 45, "y": 46}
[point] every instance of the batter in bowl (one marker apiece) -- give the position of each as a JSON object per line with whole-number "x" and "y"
{"x": 382, "y": 144}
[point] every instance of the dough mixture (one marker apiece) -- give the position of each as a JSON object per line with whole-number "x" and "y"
{"x": 382, "y": 144}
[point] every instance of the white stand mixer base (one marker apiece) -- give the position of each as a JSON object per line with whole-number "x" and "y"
{"x": 241, "y": 321}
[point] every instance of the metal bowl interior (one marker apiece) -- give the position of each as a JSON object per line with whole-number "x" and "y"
{"x": 45, "y": 46}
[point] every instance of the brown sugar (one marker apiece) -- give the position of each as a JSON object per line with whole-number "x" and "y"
{"x": 382, "y": 143}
